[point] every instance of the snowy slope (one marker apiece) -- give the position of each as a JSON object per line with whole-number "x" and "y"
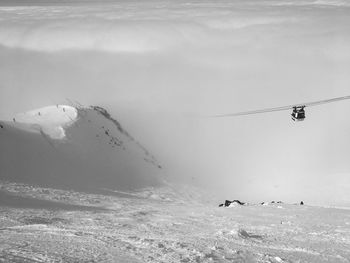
{"x": 66, "y": 147}
{"x": 49, "y": 225}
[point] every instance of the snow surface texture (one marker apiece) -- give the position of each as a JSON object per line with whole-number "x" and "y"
{"x": 166, "y": 224}
{"x": 67, "y": 147}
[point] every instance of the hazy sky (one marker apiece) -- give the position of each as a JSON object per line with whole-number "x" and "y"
{"x": 160, "y": 66}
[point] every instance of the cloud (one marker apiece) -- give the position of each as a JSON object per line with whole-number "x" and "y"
{"x": 123, "y": 28}
{"x": 330, "y": 3}
{"x": 185, "y": 28}
{"x": 57, "y": 36}
{"x": 339, "y": 3}
{"x": 244, "y": 22}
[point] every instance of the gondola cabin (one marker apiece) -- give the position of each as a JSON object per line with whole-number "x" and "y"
{"x": 298, "y": 113}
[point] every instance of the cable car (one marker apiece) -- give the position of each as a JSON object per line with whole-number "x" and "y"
{"x": 298, "y": 113}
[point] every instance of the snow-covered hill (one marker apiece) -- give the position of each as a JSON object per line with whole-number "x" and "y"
{"x": 81, "y": 148}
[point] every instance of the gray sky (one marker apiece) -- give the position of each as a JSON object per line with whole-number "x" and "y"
{"x": 160, "y": 66}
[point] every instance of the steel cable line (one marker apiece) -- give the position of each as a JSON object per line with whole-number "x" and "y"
{"x": 282, "y": 108}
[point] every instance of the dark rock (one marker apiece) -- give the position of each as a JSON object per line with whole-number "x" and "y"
{"x": 239, "y": 202}
{"x": 228, "y": 202}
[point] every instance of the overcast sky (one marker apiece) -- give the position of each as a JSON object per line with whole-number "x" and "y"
{"x": 161, "y": 66}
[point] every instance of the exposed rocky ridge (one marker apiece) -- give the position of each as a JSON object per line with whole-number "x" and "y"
{"x": 150, "y": 158}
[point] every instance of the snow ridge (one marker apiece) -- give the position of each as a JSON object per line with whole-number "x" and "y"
{"x": 49, "y": 120}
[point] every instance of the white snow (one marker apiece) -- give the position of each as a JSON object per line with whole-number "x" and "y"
{"x": 50, "y": 120}
{"x": 233, "y": 204}
{"x": 278, "y": 259}
{"x": 150, "y": 230}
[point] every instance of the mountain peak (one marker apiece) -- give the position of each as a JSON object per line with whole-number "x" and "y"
{"x": 80, "y": 147}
